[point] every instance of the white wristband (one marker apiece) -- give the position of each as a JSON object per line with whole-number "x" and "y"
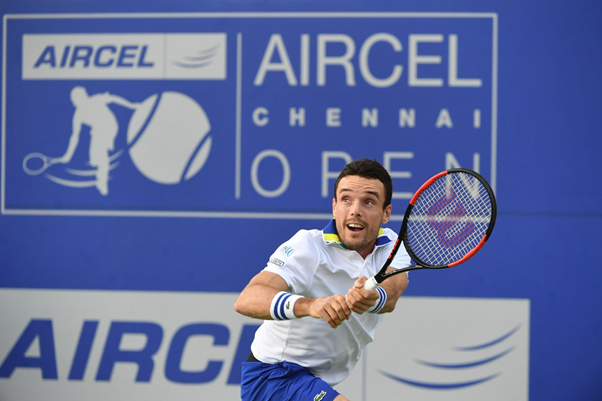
{"x": 283, "y": 306}
{"x": 380, "y": 302}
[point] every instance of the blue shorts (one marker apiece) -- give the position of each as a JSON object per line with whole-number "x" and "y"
{"x": 282, "y": 381}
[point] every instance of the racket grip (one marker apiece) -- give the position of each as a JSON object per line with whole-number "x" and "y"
{"x": 371, "y": 284}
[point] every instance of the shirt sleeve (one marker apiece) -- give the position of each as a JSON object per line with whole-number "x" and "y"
{"x": 295, "y": 261}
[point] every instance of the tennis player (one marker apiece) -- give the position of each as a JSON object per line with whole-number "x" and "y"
{"x": 317, "y": 316}
{"x": 94, "y": 111}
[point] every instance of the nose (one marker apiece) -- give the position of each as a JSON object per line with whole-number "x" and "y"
{"x": 356, "y": 209}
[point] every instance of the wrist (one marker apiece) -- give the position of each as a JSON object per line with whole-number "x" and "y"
{"x": 380, "y": 302}
{"x": 283, "y": 306}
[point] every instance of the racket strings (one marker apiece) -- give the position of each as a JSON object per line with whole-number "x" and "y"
{"x": 449, "y": 219}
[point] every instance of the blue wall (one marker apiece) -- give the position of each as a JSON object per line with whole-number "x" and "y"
{"x": 544, "y": 247}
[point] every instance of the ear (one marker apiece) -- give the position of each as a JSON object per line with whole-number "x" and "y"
{"x": 334, "y": 204}
{"x": 387, "y": 214}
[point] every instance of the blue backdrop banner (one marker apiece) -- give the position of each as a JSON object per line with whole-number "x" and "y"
{"x": 153, "y": 156}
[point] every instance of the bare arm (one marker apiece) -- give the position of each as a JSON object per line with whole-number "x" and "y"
{"x": 120, "y": 101}
{"x": 255, "y": 301}
{"x": 73, "y": 140}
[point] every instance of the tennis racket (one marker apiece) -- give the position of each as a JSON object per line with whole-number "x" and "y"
{"x": 448, "y": 220}
{"x": 43, "y": 163}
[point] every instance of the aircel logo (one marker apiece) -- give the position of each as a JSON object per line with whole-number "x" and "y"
{"x": 85, "y": 345}
{"x": 39, "y": 335}
{"x": 125, "y": 56}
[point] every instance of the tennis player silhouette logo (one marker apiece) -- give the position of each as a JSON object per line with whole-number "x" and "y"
{"x": 167, "y": 140}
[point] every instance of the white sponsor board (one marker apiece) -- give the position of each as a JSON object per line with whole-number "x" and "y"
{"x": 102, "y": 345}
{"x": 124, "y": 56}
{"x": 448, "y": 349}
{"x": 208, "y": 330}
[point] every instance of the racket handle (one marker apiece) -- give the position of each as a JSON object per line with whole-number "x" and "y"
{"x": 371, "y": 284}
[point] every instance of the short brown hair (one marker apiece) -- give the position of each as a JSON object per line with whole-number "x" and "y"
{"x": 368, "y": 168}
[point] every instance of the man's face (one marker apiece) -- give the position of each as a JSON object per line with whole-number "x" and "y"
{"x": 358, "y": 210}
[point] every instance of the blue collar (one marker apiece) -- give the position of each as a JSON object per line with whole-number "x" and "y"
{"x": 331, "y": 236}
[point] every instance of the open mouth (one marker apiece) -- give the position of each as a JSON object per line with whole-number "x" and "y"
{"x": 355, "y": 227}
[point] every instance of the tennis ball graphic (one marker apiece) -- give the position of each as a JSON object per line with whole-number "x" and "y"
{"x": 168, "y": 138}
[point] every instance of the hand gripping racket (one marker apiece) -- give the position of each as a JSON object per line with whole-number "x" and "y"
{"x": 447, "y": 221}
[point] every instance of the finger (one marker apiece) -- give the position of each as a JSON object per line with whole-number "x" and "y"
{"x": 330, "y": 322}
{"x": 361, "y": 281}
{"x": 368, "y": 294}
{"x": 361, "y": 295}
{"x": 361, "y": 307}
{"x": 350, "y": 302}
{"x": 331, "y": 317}
{"x": 353, "y": 296}
{"x": 357, "y": 305}
{"x": 341, "y": 308}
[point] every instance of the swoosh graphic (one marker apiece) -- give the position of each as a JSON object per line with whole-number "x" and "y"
{"x": 71, "y": 183}
{"x": 88, "y": 173}
{"x": 204, "y": 58}
{"x": 439, "y": 386}
{"x": 489, "y": 344}
{"x": 462, "y": 365}
{"x": 467, "y": 364}
{"x": 81, "y": 173}
{"x": 197, "y": 65}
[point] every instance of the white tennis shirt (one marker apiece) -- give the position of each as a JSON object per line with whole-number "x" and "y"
{"x": 315, "y": 264}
